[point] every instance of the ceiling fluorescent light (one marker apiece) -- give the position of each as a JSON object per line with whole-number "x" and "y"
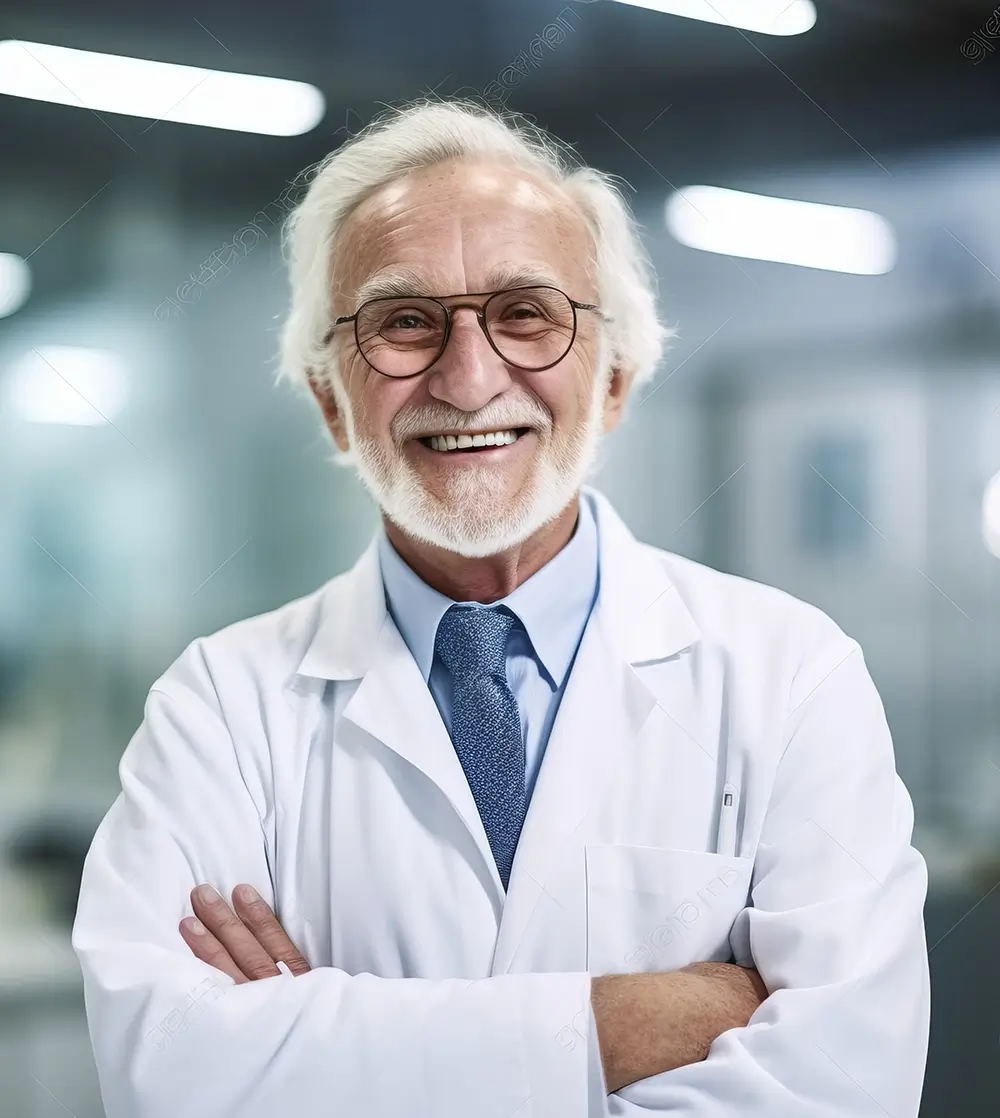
{"x": 811, "y": 235}
{"x": 67, "y": 384}
{"x": 990, "y": 519}
{"x": 111, "y": 83}
{"x": 769, "y": 17}
{"x": 15, "y": 283}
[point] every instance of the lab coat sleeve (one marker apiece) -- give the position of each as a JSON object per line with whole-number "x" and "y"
{"x": 835, "y": 929}
{"x": 173, "y": 1036}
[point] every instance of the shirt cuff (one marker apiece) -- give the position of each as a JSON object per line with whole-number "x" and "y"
{"x": 597, "y": 1087}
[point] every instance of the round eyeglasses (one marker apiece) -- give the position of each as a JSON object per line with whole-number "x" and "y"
{"x": 531, "y": 328}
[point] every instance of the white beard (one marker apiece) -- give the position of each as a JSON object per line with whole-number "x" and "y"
{"x": 477, "y": 518}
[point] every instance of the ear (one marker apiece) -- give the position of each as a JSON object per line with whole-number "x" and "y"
{"x": 332, "y": 414}
{"x": 619, "y": 386}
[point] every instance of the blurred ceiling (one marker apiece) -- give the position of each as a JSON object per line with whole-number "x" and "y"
{"x": 648, "y": 96}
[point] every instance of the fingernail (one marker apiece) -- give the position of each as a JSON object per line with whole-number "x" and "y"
{"x": 247, "y": 894}
{"x": 196, "y": 927}
{"x": 206, "y": 894}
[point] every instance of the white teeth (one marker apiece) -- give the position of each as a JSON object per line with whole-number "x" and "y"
{"x": 463, "y": 442}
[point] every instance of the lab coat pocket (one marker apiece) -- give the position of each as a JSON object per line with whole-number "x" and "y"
{"x": 652, "y": 909}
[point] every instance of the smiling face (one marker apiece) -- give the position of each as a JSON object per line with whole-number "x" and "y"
{"x": 461, "y": 227}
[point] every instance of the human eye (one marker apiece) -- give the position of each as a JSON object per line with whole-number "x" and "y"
{"x": 519, "y": 307}
{"x": 522, "y": 310}
{"x": 529, "y": 309}
{"x": 405, "y": 321}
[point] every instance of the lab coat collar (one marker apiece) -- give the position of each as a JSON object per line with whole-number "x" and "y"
{"x": 352, "y": 611}
{"x": 644, "y": 614}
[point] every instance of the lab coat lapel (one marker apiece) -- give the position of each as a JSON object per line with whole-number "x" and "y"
{"x": 639, "y": 617}
{"x": 356, "y": 639}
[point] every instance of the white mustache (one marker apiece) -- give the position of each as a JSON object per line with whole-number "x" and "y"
{"x": 424, "y": 421}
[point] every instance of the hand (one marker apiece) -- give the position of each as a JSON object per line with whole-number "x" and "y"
{"x": 244, "y": 944}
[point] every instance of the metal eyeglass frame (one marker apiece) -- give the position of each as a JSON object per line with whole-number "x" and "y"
{"x": 480, "y": 316}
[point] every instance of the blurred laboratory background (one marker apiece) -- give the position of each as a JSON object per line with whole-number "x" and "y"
{"x": 819, "y": 186}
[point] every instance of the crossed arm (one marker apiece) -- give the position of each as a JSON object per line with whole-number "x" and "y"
{"x": 833, "y": 925}
{"x": 646, "y": 1023}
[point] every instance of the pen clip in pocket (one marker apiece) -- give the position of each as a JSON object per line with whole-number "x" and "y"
{"x": 728, "y": 808}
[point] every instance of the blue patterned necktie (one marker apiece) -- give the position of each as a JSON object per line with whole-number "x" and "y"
{"x": 485, "y": 724}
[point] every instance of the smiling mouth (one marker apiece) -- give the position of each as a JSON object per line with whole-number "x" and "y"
{"x": 486, "y": 440}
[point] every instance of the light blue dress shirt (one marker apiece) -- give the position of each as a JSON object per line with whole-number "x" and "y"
{"x": 552, "y": 609}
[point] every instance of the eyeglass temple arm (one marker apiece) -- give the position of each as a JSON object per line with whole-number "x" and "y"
{"x": 592, "y": 307}
{"x": 338, "y": 322}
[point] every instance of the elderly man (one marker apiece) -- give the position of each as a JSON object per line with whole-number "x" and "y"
{"x": 519, "y": 816}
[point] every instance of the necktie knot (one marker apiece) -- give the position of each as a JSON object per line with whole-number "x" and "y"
{"x": 472, "y": 642}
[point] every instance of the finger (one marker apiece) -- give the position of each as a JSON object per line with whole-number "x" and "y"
{"x": 207, "y": 948}
{"x": 252, "y": 960}
{"x": 255, "y": 912}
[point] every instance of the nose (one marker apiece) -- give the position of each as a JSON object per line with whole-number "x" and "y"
{"x": 470, "y": 372}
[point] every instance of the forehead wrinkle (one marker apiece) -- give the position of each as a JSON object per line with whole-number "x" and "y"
{"x": 392, "y": 213}
{"x": 374, "y": 236}
{"x": 398, "y": 281}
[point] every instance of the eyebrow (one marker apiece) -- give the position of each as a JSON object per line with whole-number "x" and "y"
{"x": 399, "y": 282}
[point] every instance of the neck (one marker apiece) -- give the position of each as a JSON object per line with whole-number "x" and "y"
{"x": 490, "y": 578}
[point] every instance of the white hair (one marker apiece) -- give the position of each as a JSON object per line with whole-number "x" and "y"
{"x": 426, "y": 132}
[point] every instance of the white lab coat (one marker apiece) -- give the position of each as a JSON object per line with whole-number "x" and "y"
{"x": 719, "y": 784}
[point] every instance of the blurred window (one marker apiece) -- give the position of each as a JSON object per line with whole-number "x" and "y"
{"x": 835, "y": 494}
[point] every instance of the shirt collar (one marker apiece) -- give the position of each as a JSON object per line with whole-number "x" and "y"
{"x": 553, "y": 605}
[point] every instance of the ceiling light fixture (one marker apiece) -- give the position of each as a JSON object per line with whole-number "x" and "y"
{"x": 15, "y": 283}
{"x": 112, "y": 83}
{"x": 990, "y": 516}
{"x": 758, "y": 227}
{"x": 769, "y": 17}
